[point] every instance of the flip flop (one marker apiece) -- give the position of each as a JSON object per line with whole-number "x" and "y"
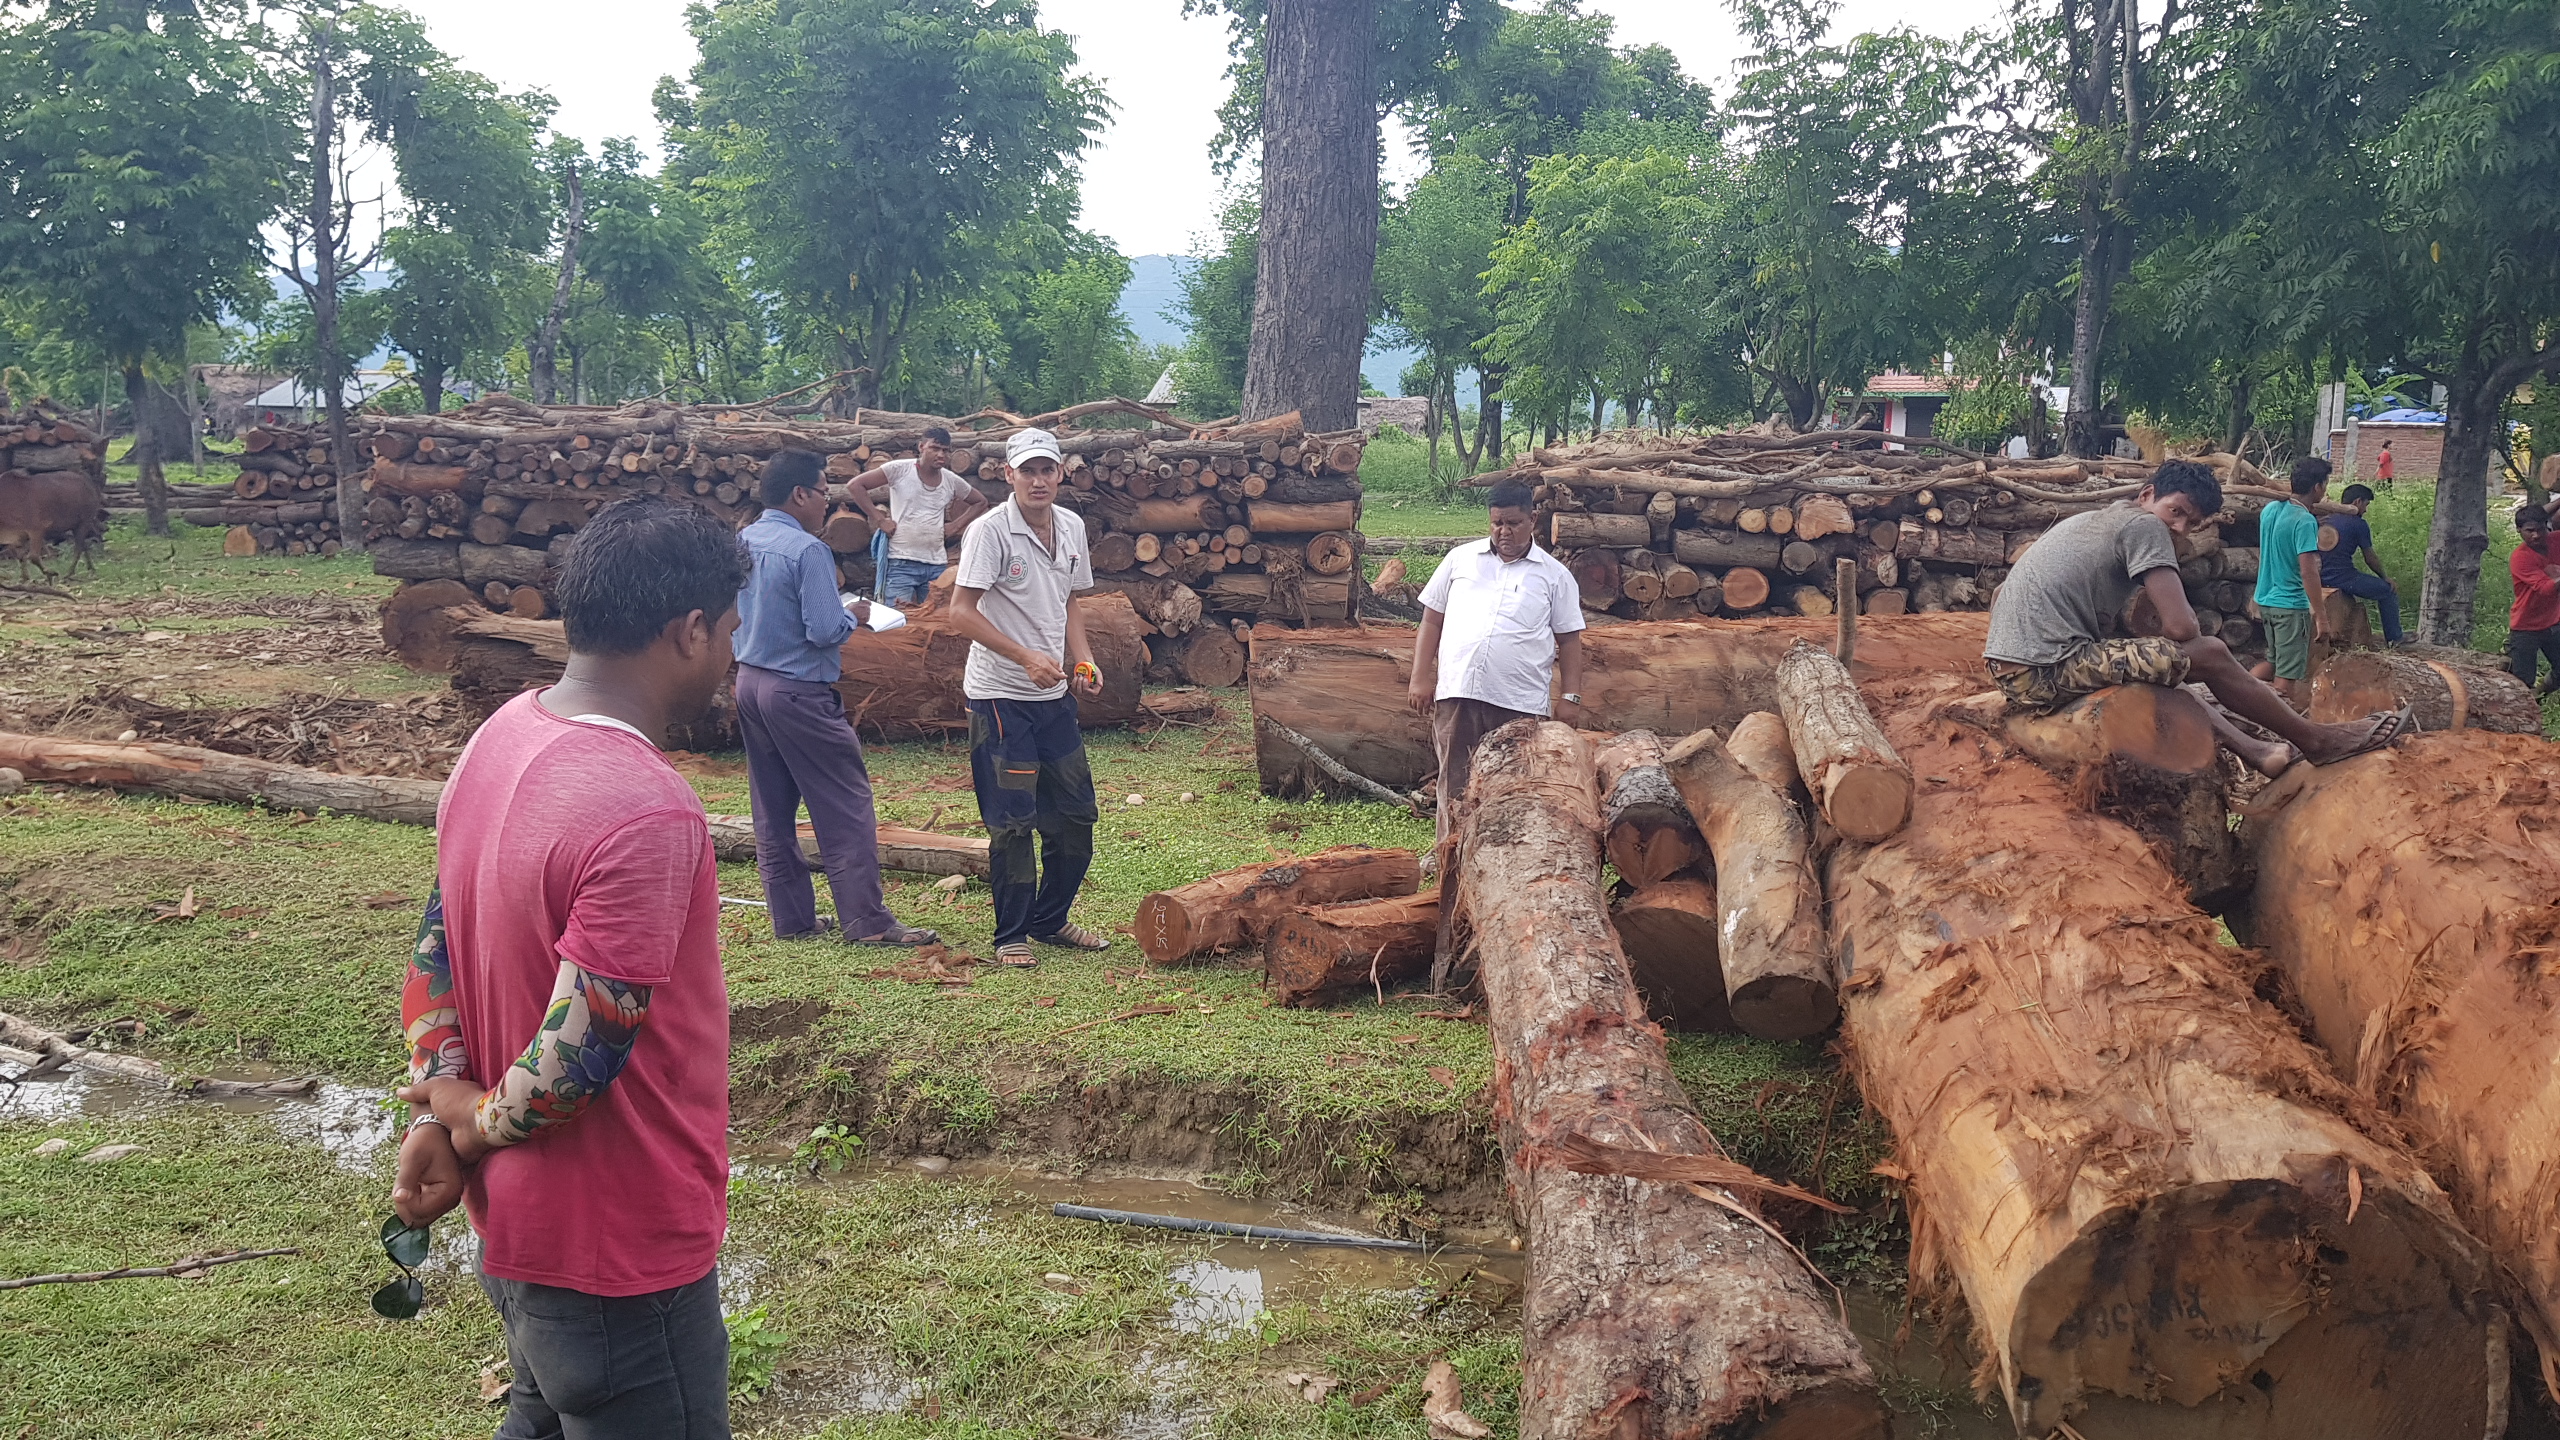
{"x": 904, "y": 937}
{"x": 2390, "y": 729}
{"x": 1017, "y": 956}
{"x": 1074, "y": 937}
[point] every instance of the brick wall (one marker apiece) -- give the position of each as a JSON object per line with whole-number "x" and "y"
{"x": 2417, "y": 451}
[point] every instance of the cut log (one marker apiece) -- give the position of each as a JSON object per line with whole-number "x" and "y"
{"x": 1172, "y": 607}
{"x": 1889, "y": 602}
{"x": 1798, "y": 557}
{"x": 905, "y": 683}
{"x": 1270, "y": 517}
{"x": 1331, "y": 553}
{"x": 2408, "y": 897}
{"x": 1647, "y": 831}
{"x": 1319, "y": 950}
{"x": 1303, "y": 597}
{"x": 1345, "y": 689}
{"x": 1653, "y": 1308}
{"x": 213, "y": 775}
{"x": 1210, "y": 656}
{"x": 1679, "y": 582}
{"x": 1574, "y": 530}
{"x": 2447, "y": 689}
{"x": 1238, "y": 907}
{"x": 1820, "y": 515}
{"x": 848, "y": 532}
{"x": 914, "y": 852}
{"x": 1809, "y": 600}
{"x": 416, "y": 559}
{"x": 1668, "y": 930}
{"x": 1954, "y": 544}
{"x": 507, "y": 564}
{"x": 1171, "y": 517}
{"x": 1777, "y": 967}
{"x": 392, "y": 477}
{"x": 28, "y": 1043}
{"x": 239, "y": 542}
{"x": 2147, "y": 1186}
{"x": 1744, "y": 588}
{"x": 1113, "y": 550}
{"x": 1864, "y": 789}
{"x": 2146, "y": 755}
{"x": 1596, "y": 575}
{"x": 1760, "y": 745}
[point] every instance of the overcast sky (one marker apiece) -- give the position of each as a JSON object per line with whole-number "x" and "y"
{"x": 1148, "y": 185}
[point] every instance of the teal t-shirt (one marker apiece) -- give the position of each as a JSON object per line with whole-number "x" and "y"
{"x": 2285, "y": 531}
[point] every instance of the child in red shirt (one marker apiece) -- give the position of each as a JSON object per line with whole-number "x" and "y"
{"x": 2533, "y": 626}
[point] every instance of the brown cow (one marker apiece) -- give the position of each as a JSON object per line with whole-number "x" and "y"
{"x": 36, "y": 510}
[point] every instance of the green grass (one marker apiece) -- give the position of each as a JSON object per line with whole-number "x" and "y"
{"x": 1399, "y": 496}
{"x": 187, "y": 566}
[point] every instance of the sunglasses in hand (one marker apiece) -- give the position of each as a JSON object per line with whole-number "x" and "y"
{"x": 406, "y": 1245}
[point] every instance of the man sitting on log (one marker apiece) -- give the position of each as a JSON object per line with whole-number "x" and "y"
{"x": 791, "y": 633}
{"x": 2338, "y": 561}
{"x": 2047, "y": 645}
{"x": 1499, "y": 618}
{"x": 928, "y": 506}
{"x": 1023, "y": 566}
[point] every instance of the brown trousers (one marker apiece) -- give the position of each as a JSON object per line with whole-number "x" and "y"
{"x": 1456, "y": 726}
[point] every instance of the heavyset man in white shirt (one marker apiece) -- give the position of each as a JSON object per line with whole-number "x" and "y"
{"x": 1500, "y": 618}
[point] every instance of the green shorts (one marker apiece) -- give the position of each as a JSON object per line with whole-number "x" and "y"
{"x": 2288, "y": 641}
{"x": 2097, "y": 664}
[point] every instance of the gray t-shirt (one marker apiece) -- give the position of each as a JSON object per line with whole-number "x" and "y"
{"x": 1027, "y": 587}
{"x": 921, "y": 511}
{"x": 2073, "y": 580}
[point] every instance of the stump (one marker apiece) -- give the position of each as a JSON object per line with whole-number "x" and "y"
{"x": 1320, "y": 949}
{"x": 2148, "y": 1188}
{"x": 1777, "y": 966}
{"x": 1238, "y": 907}
{"x": 2423, "y": 951}
{"x": 1653, "y": 1308}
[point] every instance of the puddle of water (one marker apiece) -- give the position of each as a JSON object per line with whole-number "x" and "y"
{"x": 347, "y": 1121}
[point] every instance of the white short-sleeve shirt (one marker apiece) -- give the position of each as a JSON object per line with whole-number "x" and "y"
{"x": 921, "y": 511}
{"x": 1498, "y": 637}
{"x": 1028, "y": 588}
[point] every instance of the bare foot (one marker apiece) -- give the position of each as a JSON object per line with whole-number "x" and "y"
{"x": 2271, "y": 759}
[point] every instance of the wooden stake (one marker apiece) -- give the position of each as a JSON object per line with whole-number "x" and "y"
{"x": 1844, "y": 586}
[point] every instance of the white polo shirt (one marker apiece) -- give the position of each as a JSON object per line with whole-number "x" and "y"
{"x": 1498, "y": 640}
{"x": 1028, "y": 588}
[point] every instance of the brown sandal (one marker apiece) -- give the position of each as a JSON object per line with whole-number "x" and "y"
{"x": 1075, "y": 937}
{"x": 1017, "y": 956}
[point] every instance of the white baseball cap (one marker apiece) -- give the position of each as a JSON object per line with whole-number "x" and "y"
{"x": 1032, "y": 445}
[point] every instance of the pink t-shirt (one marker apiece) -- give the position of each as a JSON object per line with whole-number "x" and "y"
{"x": 560, "y": 839}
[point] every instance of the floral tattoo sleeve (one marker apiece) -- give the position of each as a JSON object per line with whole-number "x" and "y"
{"x": 584, "y": 1041}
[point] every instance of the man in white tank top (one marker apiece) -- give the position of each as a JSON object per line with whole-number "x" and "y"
{"x": 928, "y": 506}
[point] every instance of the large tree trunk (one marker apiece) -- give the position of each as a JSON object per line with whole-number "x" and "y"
{"x": 1319, "y": 244}
{"x": 2146, "y": 1184}
{"x": 1345, "y": 689}
{"x": 2082, "y": 431}
{"x": 145, "y": 454}
{"x": 1238, "y": 907}
{"x": 542, "y": 352}
{"x": 2409, "y": 898}
{"x": 1320, "y": 949}
{"x": 1652, "y": 1309}
{"x": 2146, "y": 755}
{"x": 2445, "y": 688}
{"x": 2458, "y": 532}
{"x": 1778, "y": 974}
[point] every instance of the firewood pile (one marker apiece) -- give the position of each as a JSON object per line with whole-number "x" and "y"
{"x": 284, "y": 501}
{"x": 1752, "y": 523}
{"x": 1200, "y": 528}
{"x": 43, "y": 438}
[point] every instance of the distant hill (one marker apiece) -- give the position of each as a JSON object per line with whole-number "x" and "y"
{"x": 1155, "y": 287}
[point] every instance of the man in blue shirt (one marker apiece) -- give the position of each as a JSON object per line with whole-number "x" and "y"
{"x": 2338, "y": 560}
{"x": 791, "y": 627}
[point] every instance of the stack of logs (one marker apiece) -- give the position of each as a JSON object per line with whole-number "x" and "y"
{"x": 286, "y": 499}
{"x": 43, "y": 439}
{"x": 1665, "y": 529}
{"x": 1245, "y": 522}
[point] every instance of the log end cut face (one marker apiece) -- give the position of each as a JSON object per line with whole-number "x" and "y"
{"x": 2255, "y": 1308}
{"x": 1163, "y": 928}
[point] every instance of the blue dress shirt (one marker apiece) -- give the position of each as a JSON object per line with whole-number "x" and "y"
{"x": 789, "y": 619}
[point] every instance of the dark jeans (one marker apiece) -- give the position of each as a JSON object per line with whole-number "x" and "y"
{"x": 1456, "y": 727}
{"x": 596, "y": 1367}
{"x": 2525, "y": 648}
{"x": 905, "y": 582}
{"x": 1027, "y": 760}
{"x": 2379, "y": 591}
{"x": 799, "y": 747}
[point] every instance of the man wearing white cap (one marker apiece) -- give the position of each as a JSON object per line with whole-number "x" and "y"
{"x": 1022, "y": 567}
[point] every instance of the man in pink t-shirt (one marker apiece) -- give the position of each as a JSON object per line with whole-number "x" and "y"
{"x": 568, "y": 1022}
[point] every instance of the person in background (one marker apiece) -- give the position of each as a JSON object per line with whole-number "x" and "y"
{"x": 2289, "y": 577}
{"x": 2048, "y": 647}
{"x": 2533, "y": 625}
{"x": 928, "y": 506}
{"x": 567, "y": 1019}
{"x": 1022, "y": 566}
{"x": 2338, "y": 561}
{"x": 1501, "y": 620}
{"x": 791, "y": 632}
{"x": 2382, "y": 465}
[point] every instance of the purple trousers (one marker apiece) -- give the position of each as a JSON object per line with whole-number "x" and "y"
{"x": 801, "y": 748}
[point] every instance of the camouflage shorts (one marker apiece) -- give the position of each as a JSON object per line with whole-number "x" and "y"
{"x": 2097, "y": 664}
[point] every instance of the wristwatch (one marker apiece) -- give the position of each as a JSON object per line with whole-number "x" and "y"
{"x": 1571, "y": 699}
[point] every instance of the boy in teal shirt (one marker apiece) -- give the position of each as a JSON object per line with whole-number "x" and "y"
{"x": 2289, "y": 575}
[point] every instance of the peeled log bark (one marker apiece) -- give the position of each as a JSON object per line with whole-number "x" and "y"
{"x": 2146, "y": 755}
{"x": 1345, "y": 689}
{"x": 1864, "y": 789}
{"x": 1317, "y": 950}
{"x": 2423, "y": 951}
{"x": 1239, "y": 907}
{"x": 2147, "y": 1186}
{"x": 1649, "y": 835}
{"x": 1760, "y": 745}
{"x": 1669, "y": 933}
{"x": 1651, "y": 1309}
{"x": 1778, "y": 975}
{"x": 2445, "y": 692}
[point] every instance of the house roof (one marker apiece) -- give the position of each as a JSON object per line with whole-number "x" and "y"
{"x": 2405, "y": 416}
{"x": 1895, "y": 383}
{"x": 294, "y": 395}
